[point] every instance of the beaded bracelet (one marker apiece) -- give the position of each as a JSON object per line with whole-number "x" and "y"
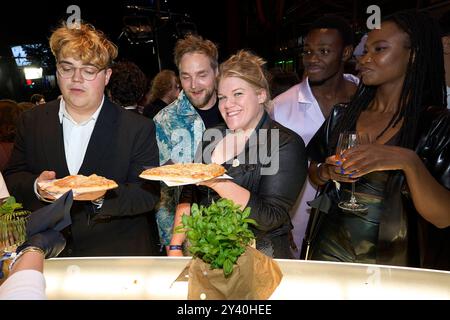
{"x": 175, "y": 247}
{"x": 21, "y": 253}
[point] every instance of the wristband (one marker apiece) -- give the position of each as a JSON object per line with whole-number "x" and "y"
{"x": 175, "y": 247}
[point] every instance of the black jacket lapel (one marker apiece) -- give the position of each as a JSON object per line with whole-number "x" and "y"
{"x": 54, "y": 150}
{"x": 101, "y": 140}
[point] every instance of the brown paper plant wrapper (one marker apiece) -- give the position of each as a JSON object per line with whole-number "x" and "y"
{"x": 255, "y": 277}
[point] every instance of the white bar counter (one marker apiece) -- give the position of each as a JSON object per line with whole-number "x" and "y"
{"x": 153, "y": 278}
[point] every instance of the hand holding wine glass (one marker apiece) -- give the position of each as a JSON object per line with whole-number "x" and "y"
{"x": 346, "y": 141}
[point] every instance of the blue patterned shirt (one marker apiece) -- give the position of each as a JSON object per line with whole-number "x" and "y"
{"x": 179, "y": 130}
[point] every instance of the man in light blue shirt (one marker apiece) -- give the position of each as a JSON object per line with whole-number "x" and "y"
{"x": 180, "y": 125}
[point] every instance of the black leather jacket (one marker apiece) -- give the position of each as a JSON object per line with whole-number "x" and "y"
{"x": 272, "y": 194}
{"x": 404, "y": 237}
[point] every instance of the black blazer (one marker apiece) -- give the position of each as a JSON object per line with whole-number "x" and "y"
{"x": 121, "y": 145}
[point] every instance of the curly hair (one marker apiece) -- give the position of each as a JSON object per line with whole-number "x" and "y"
{"x": 161, "y": 84}
{"x": 84, "y": 43}
{"x": 195, "y": 43}
{"x": 9, "y": 116}
{"x": 127, "y": 83}
{"x": 36, "y": 98}
{"x": 248, "y": 67}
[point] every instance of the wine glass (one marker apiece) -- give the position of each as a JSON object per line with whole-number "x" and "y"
{"x": 346, "y": 141}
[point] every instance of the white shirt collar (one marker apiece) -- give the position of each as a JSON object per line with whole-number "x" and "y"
{"x": 64, "y": 114}
{"x": 306, "y": 96}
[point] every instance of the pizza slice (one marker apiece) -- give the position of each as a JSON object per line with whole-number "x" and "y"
{"x": 79, "y": 184}
{"x": 184, "y": 172}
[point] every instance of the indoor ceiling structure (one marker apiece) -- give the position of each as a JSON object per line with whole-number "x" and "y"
{"x": 275, "y": 28}
{"x": 353, "y": 10}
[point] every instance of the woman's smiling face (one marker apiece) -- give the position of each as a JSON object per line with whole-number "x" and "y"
{"x": 240, "y": 104}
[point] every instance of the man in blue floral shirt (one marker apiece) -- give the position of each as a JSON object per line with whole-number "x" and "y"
{"x": 179, "y": 126}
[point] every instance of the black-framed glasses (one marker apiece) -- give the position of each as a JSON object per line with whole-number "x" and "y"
{"x": 88, "y": 73}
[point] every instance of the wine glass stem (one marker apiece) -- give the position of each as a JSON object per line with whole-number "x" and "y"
{"x": 352, "y": 198}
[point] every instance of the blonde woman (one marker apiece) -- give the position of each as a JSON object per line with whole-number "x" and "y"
{"x": 266, "y": 160}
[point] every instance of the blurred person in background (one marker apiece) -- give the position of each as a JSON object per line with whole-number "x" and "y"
{"x": 37, "y": 99}
{"x": 444, "y": 24}
{"x": 165, "y": 88}
{"x": 25, "y": 105}
{"x": 9, "y": 117}
{"x": 280, "y": 81}
{"x": 126, "y": 85}
{"x": 359, "y": 52}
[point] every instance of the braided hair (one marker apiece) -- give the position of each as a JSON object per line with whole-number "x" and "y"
{"x": 424, "y": 83}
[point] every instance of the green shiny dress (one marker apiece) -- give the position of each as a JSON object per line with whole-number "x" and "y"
{"x": 352, "y": 236}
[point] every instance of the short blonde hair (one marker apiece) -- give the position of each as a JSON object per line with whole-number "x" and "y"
{"x": 248, "y": 67}
{"x": 83, "y": 43}
{"x": 196, "y": 44}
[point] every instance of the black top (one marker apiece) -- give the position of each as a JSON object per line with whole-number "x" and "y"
{"x": 211, "y": 117}
{"x": 153, "y": 108}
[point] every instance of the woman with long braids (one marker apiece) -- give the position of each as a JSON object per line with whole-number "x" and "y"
{"x": 403, "y": 175}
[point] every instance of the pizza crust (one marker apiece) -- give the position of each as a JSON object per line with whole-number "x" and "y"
{"x": 78, "y": 184}
{"x": 184, "y": 172}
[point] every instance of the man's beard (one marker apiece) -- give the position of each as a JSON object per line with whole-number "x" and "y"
{"x": 201, "y": 103}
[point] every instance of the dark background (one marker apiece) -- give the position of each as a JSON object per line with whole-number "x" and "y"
{"x": 271, "y": 28}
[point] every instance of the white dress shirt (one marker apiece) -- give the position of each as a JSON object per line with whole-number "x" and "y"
{"x": 298, "y": 110}
{"x": 76, "y": 136}
{"x": 76, "y": 140}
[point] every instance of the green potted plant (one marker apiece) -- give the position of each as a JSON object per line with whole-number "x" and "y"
{"x": 12, "y": 224}
{"x": 224, "y": 265}
{"x": 218, "y": 234}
